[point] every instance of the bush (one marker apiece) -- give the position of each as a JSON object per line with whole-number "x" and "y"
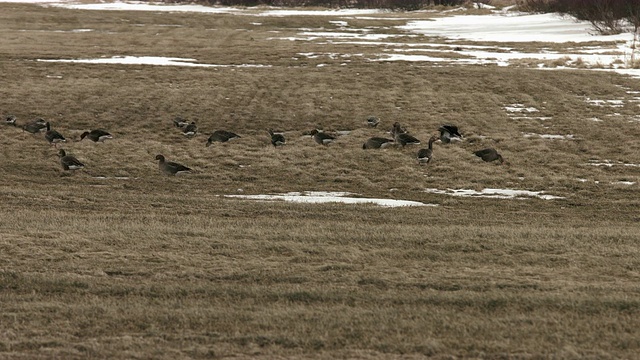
{"x": 606, "y": 16}
{"x": 407, "y": 5}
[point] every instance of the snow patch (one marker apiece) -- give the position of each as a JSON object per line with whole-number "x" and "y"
{"x": 320, "y": 197}
{"x": 494, "y": 193}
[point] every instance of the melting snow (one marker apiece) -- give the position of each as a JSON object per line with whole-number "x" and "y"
{"x": 510, "y": 27}
{"x": 611, "y": 103}
{"x": 147, "y": 60}
{"x": 494, "y": 193}
{"x": 520, "y": 108}
{"x": 501, "y": 26}
{"x": 550, "y": 136}
{"x": 610, "y": 163}
{"x": 317, "y": 197}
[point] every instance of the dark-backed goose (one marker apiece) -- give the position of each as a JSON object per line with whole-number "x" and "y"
{"x": 170, "y": 167}
{"x": 180, "y": 122}
{"x": 277, "y": 139}
{"x": 35, "y": 126}
{"x": 221, "y": 136}
{"x": 425, "y": 155}
{"x": 449, "y": 132}
{"x": 69, "y": 162}
{"x": 10, "y": 120}
{"x": 403, "y": 138}
{"x": 373, "y": 121}
{"x": 489, "y": 155}
{"x": 96, "y": 135}
{"x": 397, "y": 127}
{"x": 321, "y": 137}
{"x": 190, "y": 130}
{"x": 377, "y": 143}
{"x": 52, "y": 136}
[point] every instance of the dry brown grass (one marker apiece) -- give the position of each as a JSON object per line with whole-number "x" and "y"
{"x": 161, "y": 267}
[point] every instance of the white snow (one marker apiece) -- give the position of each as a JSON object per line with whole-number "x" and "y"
{"x": 510, "y": 27}
{"x": 318, "y": 197}
{"x": 147, "y": 60}
{"x": 550, "y": 136}
{"x": 494, "y": 193}
{"x": 520, "y": 108}
{"x": 611, "y": 103}
{"x": 501, "y": 26}
{"x": 610, "y": 163}
{"x": 623, "y": 182}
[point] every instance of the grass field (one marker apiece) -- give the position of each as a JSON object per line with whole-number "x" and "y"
{"x": 120, "y": 261}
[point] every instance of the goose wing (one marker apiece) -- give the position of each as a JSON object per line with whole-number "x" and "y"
{"x": 408, "y": 139}
{"x": 451, "y": 129}
{"x": 489, "y": 154}
{"x": 175, "y": 167}
{"x": 425, "y": 154}
{"x": 277, "y": 139}
{"x": 54, "y": 136}
{"x": 70, "y": 162}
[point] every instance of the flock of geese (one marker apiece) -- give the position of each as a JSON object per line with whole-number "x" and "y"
{"x": 400, "y": 137}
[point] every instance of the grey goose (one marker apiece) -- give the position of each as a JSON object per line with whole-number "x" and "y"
{"x": 180, "y": 122}
{"x": 35, "y": 126}
{"x": 169, "y": 167}
{"x": 69, "y": 162}
{"x": 190, "y": 130}
{"x": 52, "y": 136}
{"x": 321, "y": 137}
{"x": 10, "y": 120}
{"x": 97, "y": 135}
{"x": 425, "y": 155}
{"x": 402, "y": 138}
{"x": 489, "y": 155}
{"x": 448, "y": 133}
{"x": 397, "y": 127}
{"x": 277, "y": 138}
{"x": 221, "y": 136}
{"x": 373, "y": 121}
{"x": 377, "y": 143}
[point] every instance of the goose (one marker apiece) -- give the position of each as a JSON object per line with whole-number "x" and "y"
{"x": 373, "y": 121}
{"x": 377, "y": 143}
{"x": 97, "y": 135}
{"x": 276, "y": 138}
{"x": 169, "y": 167}
{"x": 448, "y": 133}
{"x": 425, "y": 155}
{"x": 190, "y": 130}
{"x": 221, "y": 136}
{"x": 180, "y": 122}
{"x": 52, "y": 136}
{"x": 321, "y": 137}
{"x": 403, "y": 138}
{"x": 398, "y": 128}
{"x": 489, "y": 155}
{"x": 69, "y": 162}
{"x": 10, "y": 120}
{"x": 35, "y": 126}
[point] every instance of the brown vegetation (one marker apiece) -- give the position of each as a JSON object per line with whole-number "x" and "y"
{"x": 406, "y": 5}
{"x": 143, "y": 265}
